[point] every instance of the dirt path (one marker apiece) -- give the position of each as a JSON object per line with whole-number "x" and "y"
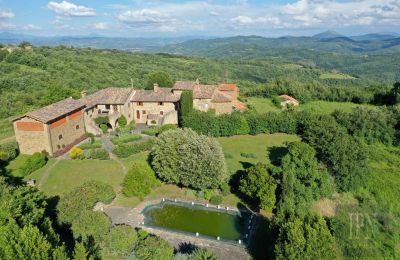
{"x": 47, "y": 173}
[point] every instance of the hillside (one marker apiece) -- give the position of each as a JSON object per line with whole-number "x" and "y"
{"x": 376, "y": 57}
{"x": 33, "y": 78}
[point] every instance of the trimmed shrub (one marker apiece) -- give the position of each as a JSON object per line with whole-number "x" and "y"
{"x": 83, "y": 198}
{"x": 118, "y": 140}
{"x": 104, "y": 128}
{"x": 216, "y": 199}
{"x": 123, "y": 151}
{"x": 153, "y": 247}
{"x": 165, "y": 128}
{"x": 99, "y": 154}
{"x": 90, "y": 224}
{"x": 33, "y": 163}
{"x": 76, "y": 153}
{"x": 139, "y": 181}
{"x": 90, "y": 145}
{"x": 122, "y": 122}
{"x": 208, "y": 194}
{"x": 152, "y": 131}
{"x": 181, "y": 156}
{"x": 248, "y": 155}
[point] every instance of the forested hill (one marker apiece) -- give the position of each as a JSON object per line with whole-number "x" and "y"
{"x": 372, "y": 55}
{"x": 30, "y": 78}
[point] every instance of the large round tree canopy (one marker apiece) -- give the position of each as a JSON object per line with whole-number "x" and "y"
{"x": 183, "y": 157}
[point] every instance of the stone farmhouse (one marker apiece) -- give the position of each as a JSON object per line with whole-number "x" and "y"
{"x": 58, "y": 127}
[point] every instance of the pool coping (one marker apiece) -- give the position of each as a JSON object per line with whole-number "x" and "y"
{"x": 243, "y": 243}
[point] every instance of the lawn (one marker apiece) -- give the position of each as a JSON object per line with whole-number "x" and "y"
{"x": 68, "y": 174}
{"x": 262, "y": 105}
{"x": 264, "y": 147}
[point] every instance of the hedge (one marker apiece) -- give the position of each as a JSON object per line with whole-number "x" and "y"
{"x": 126, "y": 150}
{"x": 100, "y": 154}
{"x": 118, "y": 140}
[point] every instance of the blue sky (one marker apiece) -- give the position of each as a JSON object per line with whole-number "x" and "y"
{"x": 141, "y": 18}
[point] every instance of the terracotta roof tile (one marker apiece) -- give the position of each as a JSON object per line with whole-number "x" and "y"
{"x": 184, "y": 85}
{"x": 219, "y": 97}
{"x": 108, "y": 96}
{"x": 161, "y": 95}
{"x": 227, "y": 87}
{"x": 56, "y": 110}
{"x": 239, "y": 105}
{"x": 203, "y": 91}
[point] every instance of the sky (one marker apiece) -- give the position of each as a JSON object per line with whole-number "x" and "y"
{"x": 172, "y": 18}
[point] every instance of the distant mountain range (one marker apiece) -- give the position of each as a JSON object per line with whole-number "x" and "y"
{"x": 207, "y": 46}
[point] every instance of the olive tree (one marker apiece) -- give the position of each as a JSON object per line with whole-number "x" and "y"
{"x": 183, "y": 157}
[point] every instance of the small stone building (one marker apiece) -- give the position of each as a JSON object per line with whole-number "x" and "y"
{"x": 222, "y": 98}
{"x": 288, "y": 101}
{"x": 54, "y": 128}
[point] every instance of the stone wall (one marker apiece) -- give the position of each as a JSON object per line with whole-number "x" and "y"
{"x": 67, "y": 133}
{"x": 32, "y": 136}
{"x": 222, "y": 108}
{"x": 202, "y": 104}
{"x": 156, "y": 108}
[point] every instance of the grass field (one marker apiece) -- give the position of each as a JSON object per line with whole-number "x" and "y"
{"x": 6, "y": 130}
{"x": 333, "y": 75}
{"x": 264, "y": 147}
{"x": 68, "y": 174}
{"x": 264, "y": 105}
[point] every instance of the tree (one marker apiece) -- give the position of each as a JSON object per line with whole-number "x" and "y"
{"x": 259, "y": 184}
{"x": 186, "y": 102}
{"x": 153, "y": 247}
{"x": 161, "y": 78}
{"x": 83, "y": 198}
{"x": 80, "y": 252}
{"x": 304, "y": 179}
{"x": 344, "y": 156}
{"x": 183, "y": 157}
{"x": 139, "y": 180}
{"x": 25, "y": 44}
{"x": 202, "y": 254}
{"x": 90, "y": 224}
{"x": 395, "y": 93}
{"x": 119, "y": 242}
{"x": 307, "y": 238}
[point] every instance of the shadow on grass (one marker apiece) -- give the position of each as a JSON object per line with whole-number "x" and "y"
{"x": 262, "y": 241}
{"x": 276, "y": 153}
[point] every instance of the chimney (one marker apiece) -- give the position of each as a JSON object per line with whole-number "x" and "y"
{"x": 83, "y": 94}
{"x": 155, "y": 87}
{"x": 197, "y": 81}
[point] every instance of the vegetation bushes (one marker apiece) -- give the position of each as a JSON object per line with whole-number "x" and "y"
{"x": 90, "y": 225}
{"x": 10, "y": 150}
{"x": 154, "y": 131}
{"x": 119, "y": 140}
{"x": 76, "y": 153}
{"x": 99, "y": 154}
{"x": 122, "y": 122}
{"x": 83, "y": 198}
{"x": 152, "y": 247}
{"x": 139, "y": 181}
{"x": 258, "y": 184}
{"x": 216, "y": 199}
{"x": 90, "y": 145}
{"x": 119, "y": 242}
{"x": 186, "y": 103}
{"x": 33, "y": 163}
{"x": 186, "y": 158}
{"x": 126, "y": 150}
{"x": 161, "y": 78}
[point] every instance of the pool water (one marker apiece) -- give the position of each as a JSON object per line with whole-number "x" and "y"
{"x": 213, "y": 223}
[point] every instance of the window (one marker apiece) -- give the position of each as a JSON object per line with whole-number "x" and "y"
{"x": 140, "y": 103}
{"x": 77, "y": 127}
{"x": 161, "y": 112}
{"x": 143, "y": 112}
{"x": 60, "y": 137}
{"x": 58, "y": 146}
{"x": 160, "y": 103}
{"x": 108, "y": 107}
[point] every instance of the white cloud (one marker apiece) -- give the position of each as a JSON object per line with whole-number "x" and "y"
{"x": 69, "y": 9}
{"x": 100, "y": 26}
{"x": 30, "y": 27}
{"x": 6, "y": 14}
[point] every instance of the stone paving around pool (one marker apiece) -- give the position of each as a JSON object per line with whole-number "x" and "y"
{"x": 134, "y": 218}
